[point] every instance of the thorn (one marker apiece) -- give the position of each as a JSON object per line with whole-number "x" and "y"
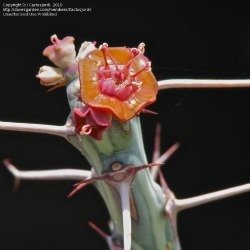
{"x": 98, "y": 230}
{"x": 15, "y": 172}
{"x": 80, "y": 185}
{"x": 58, "y": 85}
{"x": 163, "y": 182}
{"x": 147, "y": 111}
{"x": 164, "y": 157}
{"x": 157, "y": 143}
{"x": 17, "y": 183}
{"x": 77, "y": 189}
{"x": 150, "y": 165}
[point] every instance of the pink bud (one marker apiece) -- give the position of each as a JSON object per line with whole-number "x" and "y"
{"x": 62, "y": 52}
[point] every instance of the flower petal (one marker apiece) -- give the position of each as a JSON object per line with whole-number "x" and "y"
{"x": 85, "y": 48}
{"x": 97, "y": 121}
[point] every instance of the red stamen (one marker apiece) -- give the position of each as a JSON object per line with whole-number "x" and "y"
{"x": 126, "y": 67}
{"x": 86, "y": 130}
{"x": 112, "y": 59}
{"x": 143, "y": 69}
{"x": 104, "y": 49}
{"x": 54, "y": 39}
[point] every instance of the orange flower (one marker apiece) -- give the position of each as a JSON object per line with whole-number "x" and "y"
{"x": 117, "y": 79}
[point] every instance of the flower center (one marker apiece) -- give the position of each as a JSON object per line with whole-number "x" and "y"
{"x": 118, "y": 81}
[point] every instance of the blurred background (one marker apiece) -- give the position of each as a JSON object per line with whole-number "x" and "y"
{"x": 184, "y": 39}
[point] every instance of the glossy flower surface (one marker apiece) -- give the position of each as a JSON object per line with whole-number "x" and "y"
{"x": 117, "y": 79}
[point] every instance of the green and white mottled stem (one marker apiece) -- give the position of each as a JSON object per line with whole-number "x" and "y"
{"x": 201, "y": 83}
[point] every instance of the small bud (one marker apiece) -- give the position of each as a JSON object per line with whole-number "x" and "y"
{"x": 62, "y": 52}
{"x": 50, "y": 76}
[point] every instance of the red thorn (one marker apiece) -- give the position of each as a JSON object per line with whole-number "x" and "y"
{"x": 169, "y": 152}
{"x": 97, "y": 178}
{"x": 147, "y": 111}
{"x": 80, "y": 185}
{"x": 150, "y": 165}
{"x": 76, "y": 189}
{"x": 86, "y": 182}
{"x": 157, "y": 143}
{"x": 98, "y": 230}
{"x": 6, "y": 162}
{"x": 163, "y": 182}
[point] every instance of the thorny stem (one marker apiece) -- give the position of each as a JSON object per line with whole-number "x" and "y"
{"x": 200, "y": 83}
{"x": 57, "y": 174}
{"x": 63, "y": 131}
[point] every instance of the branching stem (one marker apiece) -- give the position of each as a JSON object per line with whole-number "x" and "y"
{"x": 56, "y": 174}
{"x": 182, "y": 204}
{"x": 63, "y": 131}
{"x": 200, "y": 83}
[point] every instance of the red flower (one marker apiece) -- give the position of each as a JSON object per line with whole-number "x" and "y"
{"x": 91, "y": 121}
{"x": 118, "y": 80}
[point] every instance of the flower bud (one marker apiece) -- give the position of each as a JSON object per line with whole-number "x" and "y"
{"x": 50, "y": 76}
{"x": 62, "y": 52}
